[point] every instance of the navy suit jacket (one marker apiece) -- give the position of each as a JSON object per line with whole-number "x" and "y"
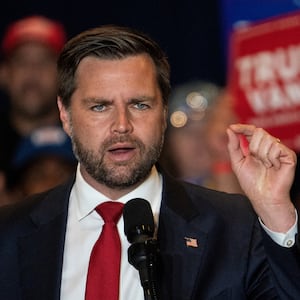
{"x": 231, "y": 257}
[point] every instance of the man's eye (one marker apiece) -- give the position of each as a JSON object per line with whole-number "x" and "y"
{"x": 99, "y": 107}
{"x": 141, "y": 106}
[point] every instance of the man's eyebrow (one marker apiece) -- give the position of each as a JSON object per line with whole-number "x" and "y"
{"x": 95, "y": 100}
{"x": 133, "y": 99}
{"x": 142, "y": 98}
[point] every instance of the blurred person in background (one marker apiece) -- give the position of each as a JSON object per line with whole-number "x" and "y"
{"x": 30, "y": 48}
{"x": 195, "y": 146}
{"x": 42, "y": 160}
{"x": 221, "y": 115}
{"x": 185, "y": 155}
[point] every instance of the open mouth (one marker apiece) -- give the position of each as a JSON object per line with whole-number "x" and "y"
{"x": 121, "y": 152}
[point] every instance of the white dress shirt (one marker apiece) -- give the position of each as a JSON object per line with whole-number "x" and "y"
{"x": 84, "y": 226}
{"x": 83, "y": 229}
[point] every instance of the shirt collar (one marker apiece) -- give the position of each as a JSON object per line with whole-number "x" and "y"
{"x": 88, "y": 198}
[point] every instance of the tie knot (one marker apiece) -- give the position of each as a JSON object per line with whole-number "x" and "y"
{"x": 110, "y": 211}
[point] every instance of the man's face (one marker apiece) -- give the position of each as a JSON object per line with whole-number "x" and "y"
{"x": 116, "y": 120}
{"x": 31, "y": 79}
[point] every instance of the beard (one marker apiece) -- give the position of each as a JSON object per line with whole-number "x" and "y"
{"x": 34, "y": 101}
{"x": 118, "y": 175}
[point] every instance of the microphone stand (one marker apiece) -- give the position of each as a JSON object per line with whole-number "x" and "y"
{"x": 143, "y": 257}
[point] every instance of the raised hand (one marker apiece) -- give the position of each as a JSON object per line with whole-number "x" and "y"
{"x": 265, "y": 169}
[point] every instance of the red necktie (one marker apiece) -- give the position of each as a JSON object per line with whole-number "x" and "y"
{"x": 104, "y": 266}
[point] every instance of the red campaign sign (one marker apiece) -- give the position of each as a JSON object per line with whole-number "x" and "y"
{"x": 264, "y": 76}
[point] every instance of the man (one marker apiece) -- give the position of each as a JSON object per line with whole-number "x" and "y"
{"x": 113, "y": 91}
{"x": 185, "y": 154}
{"x": 30, "y": 47}
{"x": 195, "y": 138}
{"x": 43, "y": 160}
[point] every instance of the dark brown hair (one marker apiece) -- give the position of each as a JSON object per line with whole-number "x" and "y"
{"x": 109, "y": 42}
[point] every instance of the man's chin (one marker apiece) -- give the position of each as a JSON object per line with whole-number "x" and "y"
{"x": 119, "y": 183}
{"x": 122, "y": 177}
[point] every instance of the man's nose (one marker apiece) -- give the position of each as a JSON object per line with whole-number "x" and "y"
{"x": 122, "y": 121}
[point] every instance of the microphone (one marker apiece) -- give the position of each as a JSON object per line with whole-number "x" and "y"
{"x": 142, "y": 253}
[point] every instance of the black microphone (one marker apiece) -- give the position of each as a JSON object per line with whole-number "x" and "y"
{"x": 143, "y": 251}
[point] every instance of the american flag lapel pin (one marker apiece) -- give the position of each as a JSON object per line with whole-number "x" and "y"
{"x": 191, "y": 242}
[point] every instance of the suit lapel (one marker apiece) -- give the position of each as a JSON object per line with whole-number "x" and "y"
{"x": 41, "y": 249}
{"x": 182, "y": 243}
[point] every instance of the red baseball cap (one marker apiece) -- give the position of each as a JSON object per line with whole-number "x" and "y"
{"x": 36, "y": 29}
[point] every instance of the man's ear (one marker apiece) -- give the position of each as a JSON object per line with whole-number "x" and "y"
{"x": 64, "y": 115}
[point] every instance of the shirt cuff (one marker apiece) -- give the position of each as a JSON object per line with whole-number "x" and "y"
{"x": 283, "y": 239}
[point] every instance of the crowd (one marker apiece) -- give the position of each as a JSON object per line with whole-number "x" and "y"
{"x": 195, "y": 148}
{"x": 29, "y": 48}
{"x": 28, "y": 80}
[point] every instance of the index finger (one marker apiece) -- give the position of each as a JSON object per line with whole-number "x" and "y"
{"x": 245, "y": 129}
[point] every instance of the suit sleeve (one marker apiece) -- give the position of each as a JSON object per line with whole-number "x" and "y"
{"x": 285, "y": 266}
